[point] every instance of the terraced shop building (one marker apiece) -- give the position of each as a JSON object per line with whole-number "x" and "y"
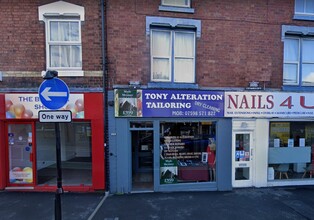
{"x": 166, "y": 131}
{"x": 38, "y": 36}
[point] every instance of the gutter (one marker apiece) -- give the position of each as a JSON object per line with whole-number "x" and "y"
{"x": 105, "y": 90}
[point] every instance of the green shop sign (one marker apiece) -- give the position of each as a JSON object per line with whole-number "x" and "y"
{"x": 168, "y": 171}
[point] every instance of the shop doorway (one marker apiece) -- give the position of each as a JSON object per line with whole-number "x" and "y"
{"x": 76, "y": 154}
{"x": 142, "y": 160}
{"x": 21, "y": 159}
{"x": 242, "y": 159}
{"x": 31, "y": 154}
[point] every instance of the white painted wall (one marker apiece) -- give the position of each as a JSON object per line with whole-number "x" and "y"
{"x": 260, "y": 131}
{"x": 261, "y": 153}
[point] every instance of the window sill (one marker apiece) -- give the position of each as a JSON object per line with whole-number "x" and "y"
{"x": 176, "y": 9}
{"x": 304, "y": 17}
{"x": 297, "y": 88}
{"x": 70, "y": 72}
{"x": 172, "y": 85}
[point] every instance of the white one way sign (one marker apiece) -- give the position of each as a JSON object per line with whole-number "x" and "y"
{"x": 55, "y": 116}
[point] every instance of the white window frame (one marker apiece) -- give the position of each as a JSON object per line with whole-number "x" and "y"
{"x": 153, "y": 57}
{"x": 294, "y": 62}
{"x": 185, "y": 57}
{"x": 304, "y": 9}
{"x": 175, "y": 3}
{"x": 50, "y": 43}
{"x": 172, "y": 70}
{"x": 302, "y": 40}
{"x": 300, "y": 63}
{"x": 62, "y": 11}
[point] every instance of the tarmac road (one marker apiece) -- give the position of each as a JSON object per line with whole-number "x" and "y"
{"x": 245, "y": 203}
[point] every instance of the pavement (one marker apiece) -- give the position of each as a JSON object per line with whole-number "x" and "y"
{"x": 245, "y": 203}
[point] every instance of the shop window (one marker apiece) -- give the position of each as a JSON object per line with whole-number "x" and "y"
{"x": 291, "y": 150}
{"x": 304, "y": 9}
{"x": 298, "y": 61}
{"x": 76, "y": 153}
{"x": 63, "y": 37}
{"x": 187, "y": 152}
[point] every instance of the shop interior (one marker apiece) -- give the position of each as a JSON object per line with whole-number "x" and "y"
{"x": 187, "y": 152}
{"x": 76, "y": 153}
{"x": 142, "y": 142}
{"x": 291, "y": 150}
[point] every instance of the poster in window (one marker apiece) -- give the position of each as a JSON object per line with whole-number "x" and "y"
{"x": 168, "y": 171}
{"x": 204, "y": 157}
{"x": 290, "y": 142}
{"x": 276, "y": 142}
{"x": 302, "y": 142}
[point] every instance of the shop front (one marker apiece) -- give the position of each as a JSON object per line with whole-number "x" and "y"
{"x": 169, "y": 140}
{"x": 273, "y": 142}
{"x": 291, "y": 152}
{"x": 28, "y": 149}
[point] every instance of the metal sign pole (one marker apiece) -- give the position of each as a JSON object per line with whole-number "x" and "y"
{"x": 54, "y": 94}
{"x": 59, "y": 191}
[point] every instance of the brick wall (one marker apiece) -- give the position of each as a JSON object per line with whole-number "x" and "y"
{"x": 240, "y": 40}
{"x": 22, "y": 44}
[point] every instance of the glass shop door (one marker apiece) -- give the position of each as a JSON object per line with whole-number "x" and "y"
{"x": 242, "y": 159}
{"x": 21, "y": 160}
{"x": 142, "y": 160}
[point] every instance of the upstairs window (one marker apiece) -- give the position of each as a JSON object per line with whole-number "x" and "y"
{"x": 172, "y": 56}
{"x": 63, "y": 22}
{"x": 176, "y": 3}
{"x": 64, "y": 44}
{"x": 304, "y": 7}
{"x": 298, "y": 61}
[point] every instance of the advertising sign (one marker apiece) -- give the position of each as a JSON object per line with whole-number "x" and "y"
{"x": 22, "y": 106}
{"x": 168, "y": 171}
{"x": 21, "y": 175}
{"x": 168, "y": 103}
{"x": 269, "y": 104}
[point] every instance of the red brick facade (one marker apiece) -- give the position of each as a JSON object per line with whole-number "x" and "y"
{"x": 240, "y": 41}
{"x": 22, "y": 43}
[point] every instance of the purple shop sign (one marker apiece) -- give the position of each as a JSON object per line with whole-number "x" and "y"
{"x": 182, "y": 103}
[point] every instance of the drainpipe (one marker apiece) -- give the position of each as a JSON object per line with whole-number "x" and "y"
{"x": 105, "y": 89}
